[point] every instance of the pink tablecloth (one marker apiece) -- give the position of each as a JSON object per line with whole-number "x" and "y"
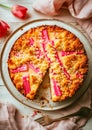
{"x": 80, "y": 9}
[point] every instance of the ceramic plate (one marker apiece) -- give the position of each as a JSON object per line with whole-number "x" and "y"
{"x": 43, "y": 102}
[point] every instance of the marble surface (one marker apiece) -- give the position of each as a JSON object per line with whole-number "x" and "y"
{"x": 14, "y": 23}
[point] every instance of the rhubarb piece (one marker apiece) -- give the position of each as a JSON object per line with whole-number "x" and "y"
{"x": 45, "y": 38}
{"x": 36, "y": 69}
{"x": 19, "y": 69}
{"x": 45, "y": 35}
{"x": 79, "y": 52}
{"x": 31, "y": 41}
{"x": 62, "y": 67}
{"x": 39, "y": 53}
{"x": 60, "y": 62}
{"x": 64, "y": 53}
{"x": 78, "y": 75}
{"x": 45, "y": 52}
{"x": 26, "y": 84}
{"x": 66, "y": 73}
{"x": 56, "y": 88}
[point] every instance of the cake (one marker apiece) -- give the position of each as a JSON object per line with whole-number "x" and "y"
{"x": 52, "y": 48}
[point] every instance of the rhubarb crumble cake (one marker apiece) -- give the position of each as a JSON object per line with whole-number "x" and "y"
{"x": 51, "y": 48}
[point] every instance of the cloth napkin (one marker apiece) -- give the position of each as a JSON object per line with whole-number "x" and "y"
{"x": 80, "y": 9}
{"x": 12, "y": 119}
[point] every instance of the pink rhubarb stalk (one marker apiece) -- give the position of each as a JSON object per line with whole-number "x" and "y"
{"x": 78, "y": 75}
{"x": 66, "y": 73}
{"x": 39, "y": 53}
{"x": 44, "y": 50}
{"x": 64, "y": 70}
{"x": 31, "y": 65}
{"x": 45, "y": 39}
{"x": 65, "y": 53}
{"x": 56, "y": 88}
{"x": 60, "y": 62}
{"x": 19, "y": 69}
{"x": 26, "y": 84}
{"x": 45, "y": 35}
{"x": 31, "y": 41}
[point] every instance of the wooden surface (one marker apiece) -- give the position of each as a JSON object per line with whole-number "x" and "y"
{"x": 14, "y": 23}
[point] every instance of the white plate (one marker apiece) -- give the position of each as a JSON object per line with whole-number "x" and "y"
{"x": 37, "y": 103}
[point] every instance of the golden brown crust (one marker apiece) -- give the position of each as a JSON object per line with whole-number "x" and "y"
{"x": 46, "y": 47}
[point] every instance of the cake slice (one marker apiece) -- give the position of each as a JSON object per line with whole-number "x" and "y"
{"x": 67, "y": 69}
{"x": 56, "y": 74}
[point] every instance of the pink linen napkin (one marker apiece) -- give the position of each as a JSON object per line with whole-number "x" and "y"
{"x": 80, "y": 9}
{"x": 12, "y": 119}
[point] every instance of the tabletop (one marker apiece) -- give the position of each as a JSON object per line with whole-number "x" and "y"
{"x": 14, "y": 23}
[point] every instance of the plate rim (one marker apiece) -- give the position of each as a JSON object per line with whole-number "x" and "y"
{"x": 6, "y": 42}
